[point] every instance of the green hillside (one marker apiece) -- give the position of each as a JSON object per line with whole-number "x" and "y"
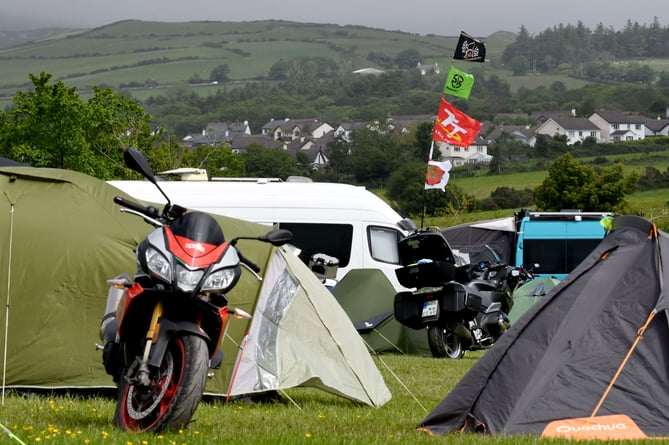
{"x": 133, "y": 52}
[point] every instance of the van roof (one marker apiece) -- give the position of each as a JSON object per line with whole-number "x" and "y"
{"x": 567, "y": 216}
{"x": 269, "y": 202}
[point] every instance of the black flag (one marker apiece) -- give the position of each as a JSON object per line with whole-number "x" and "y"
{"x": 469, "y": 49}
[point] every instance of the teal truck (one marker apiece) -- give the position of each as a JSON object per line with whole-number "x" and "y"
{"x": 552, "y": 244}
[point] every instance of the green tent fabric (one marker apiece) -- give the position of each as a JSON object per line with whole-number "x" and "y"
{"x": 62, "y": 237}
{"x": 368, "y": 297}
{"x": 528, "y": 294}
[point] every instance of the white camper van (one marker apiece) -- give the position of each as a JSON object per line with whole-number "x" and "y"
{"x": 339, "y": 220}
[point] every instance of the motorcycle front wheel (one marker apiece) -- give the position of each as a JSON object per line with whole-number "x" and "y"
{"x": 444, "y": 343}
{"x": 169, "y": 402}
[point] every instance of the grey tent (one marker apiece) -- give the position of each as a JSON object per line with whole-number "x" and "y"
{"x": 596, "y": 346}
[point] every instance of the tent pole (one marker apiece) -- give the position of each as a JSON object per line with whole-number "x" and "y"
{"x": 9, "y": 279}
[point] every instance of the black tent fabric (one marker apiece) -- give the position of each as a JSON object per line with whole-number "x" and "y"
{"x": 558, "y": 359}
{"x": 6, "y": 162}
{"x": 483, "y": 240}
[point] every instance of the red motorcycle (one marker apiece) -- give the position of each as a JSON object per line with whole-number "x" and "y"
{"x": 163, "y": 328}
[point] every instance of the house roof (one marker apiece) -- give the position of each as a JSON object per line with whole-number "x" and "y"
{"x": 351, "y": 126}
{"x": 620, "y": 117}
{"x": 656, "y": 125}
{"x": 369, "y": 71}
{"x": 315, "y": 150}
{"x": 232, "y": 127}
{"x": 410, "y": 120}
{"x": 520, "y": 132}
{"x": 243, "y": 141}
{"x": 576, "y": 123}
{"x": 620, "y": 132}
{"x": 548, "y": 114}
{"x": 288, "y": 124}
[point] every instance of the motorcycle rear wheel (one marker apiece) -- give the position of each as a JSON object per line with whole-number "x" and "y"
{"x": 175, "y": 391}
{"x": 444, "y": 343}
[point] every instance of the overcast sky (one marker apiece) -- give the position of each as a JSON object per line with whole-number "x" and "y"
{"x": 442, "y": 17}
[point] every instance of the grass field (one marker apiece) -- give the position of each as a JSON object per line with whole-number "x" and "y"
{"x": 302, "y": 415}
{"x": 311, "y": 417}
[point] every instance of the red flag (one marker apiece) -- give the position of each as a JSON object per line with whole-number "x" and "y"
{"x": 455, "y": 127}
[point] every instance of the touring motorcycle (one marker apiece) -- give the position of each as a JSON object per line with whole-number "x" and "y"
{"x": 462, "y": 307}
{"x": 162, "y": 329}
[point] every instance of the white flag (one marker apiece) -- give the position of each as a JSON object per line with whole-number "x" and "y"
{"x": 436, "y": 176}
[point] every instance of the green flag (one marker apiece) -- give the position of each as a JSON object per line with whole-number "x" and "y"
{"x": 458, "y": 83}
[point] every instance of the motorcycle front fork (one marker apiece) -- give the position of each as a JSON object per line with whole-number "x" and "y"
{"x": 143, "y": 374}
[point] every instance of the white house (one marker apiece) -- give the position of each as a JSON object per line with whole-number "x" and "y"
{"x": 477, "y": 153}
{"x": 575, "y": 128}
{"x": 292, "y": 129}
{"x": 618, "y": 126}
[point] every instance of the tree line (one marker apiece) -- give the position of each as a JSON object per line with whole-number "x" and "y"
{"x": 52, "y": 126}
{"x": 593, "y": 54}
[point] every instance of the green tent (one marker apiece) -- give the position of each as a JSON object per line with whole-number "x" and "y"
{"x": 62, "y": 237}
{"x": 368, "y": 298}
{"x": 528, "y": 294}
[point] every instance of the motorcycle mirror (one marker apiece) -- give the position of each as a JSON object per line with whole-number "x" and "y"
{"x": 407, "y": 224}
{"x": 136, "y": 161}
{"x": 277, "y": 237}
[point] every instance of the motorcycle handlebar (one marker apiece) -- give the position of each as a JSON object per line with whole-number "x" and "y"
{"x": 149, "y": 211}
{"x": 250, "y": 264}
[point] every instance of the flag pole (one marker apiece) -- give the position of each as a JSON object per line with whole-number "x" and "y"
{"x": 422, "y": 216}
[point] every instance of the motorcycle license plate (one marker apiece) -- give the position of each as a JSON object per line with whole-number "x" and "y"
{"x": 430, "y": 308}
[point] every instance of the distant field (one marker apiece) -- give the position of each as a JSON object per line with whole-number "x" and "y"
{"x": 481, "y": 186}
{"x": 653, "y": 204}
{"x": 170, "y": 53}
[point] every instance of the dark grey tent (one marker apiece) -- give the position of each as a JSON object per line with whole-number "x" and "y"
{"x": 596, "y": 345}
{"x": 489, "y": 240}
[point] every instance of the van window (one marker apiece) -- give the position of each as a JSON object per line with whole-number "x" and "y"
{"x": 331, "y": 239}
{"x": 556, "y": 256}
{"x": 383, "y": 244}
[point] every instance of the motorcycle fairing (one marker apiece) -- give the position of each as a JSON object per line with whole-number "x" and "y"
{"x": 193, "y": 253}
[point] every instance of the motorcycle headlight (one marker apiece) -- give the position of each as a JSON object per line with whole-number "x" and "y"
{"x": 220, "y": 279}
{"x": 188, "y": 279}
{"x": 158, "y": 264}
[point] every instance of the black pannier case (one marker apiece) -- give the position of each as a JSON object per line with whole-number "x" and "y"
{"x": 427, "y": 259}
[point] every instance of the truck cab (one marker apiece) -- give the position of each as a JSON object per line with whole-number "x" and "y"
{"x": 552, "y": 244}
